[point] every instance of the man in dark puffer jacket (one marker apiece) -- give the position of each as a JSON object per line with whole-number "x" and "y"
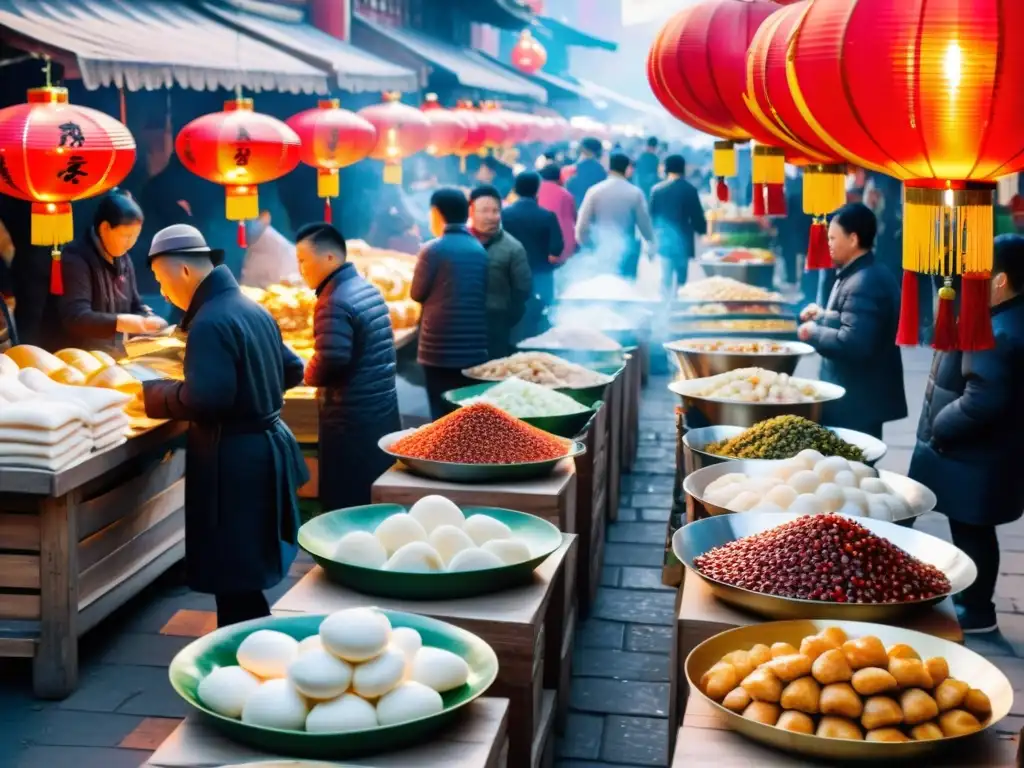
{"x": 450, "y": 282}
{"x": 353, "y": 367}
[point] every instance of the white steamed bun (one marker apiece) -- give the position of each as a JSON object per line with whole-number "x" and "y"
{"x": 475, "y": 559}
{"x": 766, "y": 506}
{"x": 398, "y": 530}
{"x": 482, "y": 528}
{"x": 808, "y": 457}
{"x": 320, "y": 675}
{"x": 745, "y": 501}
{"x": 345, "y": 713}
{"x": 439, "y": 669}
{"x": 355, "y": 634}
{"x": 311, "y": 643}
{"x": 781, "y": 495}
{"x": 829, "y": 467}
{"x": 226, "y": 688}
{"x": 275, "y": 704}
{"x": 509, "y": 551}
{"x": 862, "y": 471}
{"x": 379, "y": 675}
{"x": 787, "y": 469}
{"x": 874, "y": 485}
{"x": 361, "y": 548}
{"x": 722, "y": 497}
{"x": 831, "y": 495}
{"x": 878, "y": 509}
{"x": 846, "y": 479}
{"x": 849, "y": 509}
{"x": 449, "y": 540}
{"x": 724, "y": 480}
{"x": 805, "y": 481}
{"x": 856, "y": 497}
{"x": 409, "y": 701}
{"x": 408, "y": 640}
{"x": 434, "y": 511}
{"x": 807, "y": 504}
{"x": 267, "y": 653}
{"x": 415, "y": 557}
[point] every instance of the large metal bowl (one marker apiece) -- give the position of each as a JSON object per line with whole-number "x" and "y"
{"x": 693, "y": 540}
{"x": 695, "y": 364}
{"x": 696, "y": 440}
{"x": 964, "y": 664}
{"x": 751, "y": 273}
{"x": 715, "y": 412}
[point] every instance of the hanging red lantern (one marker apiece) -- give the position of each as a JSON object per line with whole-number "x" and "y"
{"x": 332, "y": 138}
{"x": 448, "y": 131}
{"x": 516, "y": 127}
{"x": 239, "y": 149}
{"x": 496, "y": 130}
{"x": 53, "y": 153}
{"x": 402, "y": 131}
{"x": 476, "y": 134}
{"x": 933, "y": 101}
{"x": 528, "y": 55}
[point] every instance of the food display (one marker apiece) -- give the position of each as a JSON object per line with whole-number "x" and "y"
{"x": 784, "y": 437}
{"x": 738, "y": 256}
{"x": 73, "y": 366}
{"x": 572, "y": 337}
{"x": 481, "y": 434}
{"x": 539, "y": 368}
{"x": 722, "y": 289}
{"x": 758, "y": 385}
{"x": 728, "y": 229}
{"x": 723, "y": 346}
{"x": 838, "y": 687}
{"x": 811, "y": 484}
{"x": 720, "y": 308}
{"x": 601, "y": 319}
{"x": 524, "y": 400}
{"x": 610, "y": 288}
{"x": 830, "y": 558}
{"x": 741, "y": 326}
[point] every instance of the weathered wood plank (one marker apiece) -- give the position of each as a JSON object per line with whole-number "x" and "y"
{"x": 19, "y": 606}
{"x": 17, "y": 648}
{"x": 19, "y": 532}
{"x": 100, "y": 511}
{"x": 19, "y": 571}
{"x": 55, "y": 667}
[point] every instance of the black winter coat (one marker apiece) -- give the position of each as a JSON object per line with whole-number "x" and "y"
{"x": 243, "y": 467}
{"x": 968, "y": 439}
{"x": 450, "y": 282}
{"x": 856, "y": 338}
{"x": 353, "y": 366}
{"x": 541, "y": 235}
{"x": 678, "y": 217}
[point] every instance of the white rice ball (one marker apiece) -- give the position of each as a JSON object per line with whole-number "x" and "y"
{"x": 449, "y": 541}
{"x": 831, "y": 495}
{"x": 267, "y": 653}
{"x": 355, "y": 634}
{"x": 345, "y": 713}
{"x": 379, "y": 675}
{"x": 807, "y": 504}
{"x": 361, "y": 548}
{"x": 475, "y": 559}
{"x": 874, "y": 485}
{"x": 510, "y": 551}
{"x": 482, "y": 528}
{"x": 398, "y": 530}
{"x": 846, "y": 479}
{"x": 849, "y": 509}
{"x": 408, "y": 640}
{"x": 724, "y": 480}
{"x": 723, "y": 497}
{"x": 805, "y": 481}
{"x": 787, "y": 469}
{"x": 415, "y": 557}
{"x": 434, "y": 511}
{"x": 856, "y": 497}
{"x": 781, "y": 495}
{"x": 762, "y": 485}
{"x": 808, "y": 458}
{"x": 745, "y": 501}
{"x": 878, "y": 509}
{"x": 766, "y": 507}
{"x": 311, "y": 643}
{"x": 898, "y": 507}
{"x": 862, "y": 470}
{"x": 409, "y": 701}
{"x": 276, "y": 704}
{"x": 439, "y": 669}
{"x": 226, "y": 689}
{"x": 830, "y": 466}
{"x": 320, "y": 675}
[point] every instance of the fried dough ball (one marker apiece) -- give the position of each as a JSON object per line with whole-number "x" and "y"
{"x": 886, "y": 734}
{"x": 797, "y": 722}
{"x": 950, "y": 694}
{"x": 918, "y": 707}
{"x": 957, "y": 722}
{"x": 871, "y": 681}
{"x": 740, "y": 660}
{"x": 719, "y": 680}
{"x": 782, "y": 649}
{"x": 790, "y": 667}
{"x": 865, "y": 652}
{"x": 910, "y": 673}
{"x": 763, "y": 712}
{"x": 977, "y": 703}
{"x": 938, "y": 668}
{"x": 832, "y": 667}
{"x": 881, "y": 712}
{"x": 926, "y": 732}
{"x": 736, "y": 700}
{"x": 902, "y": 651}
{"x": 802, "y": 695}
{"x": 838, "y": 728}
{"x": 815, "y": 645}
{"x": 840, "y": 699}
{"x": 763, "y": 685}
{"x": 759, "y": 654}
{"x": 835, "y": 634}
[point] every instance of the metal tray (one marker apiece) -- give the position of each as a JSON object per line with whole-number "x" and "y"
{"x": 733, "y": 412}
{"x": 695, "y": 364}
{"x": 696, "y": 440}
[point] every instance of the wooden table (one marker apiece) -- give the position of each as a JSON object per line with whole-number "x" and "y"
{"x": 77, "y": 544}
{"x": 477, "y": 740}
{"x": 514, "y": 622}
{"x": 592, "y": 507}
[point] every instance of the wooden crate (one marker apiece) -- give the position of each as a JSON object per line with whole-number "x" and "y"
{"x": 477, "y": 740}
{"x": 560, "y": 611}
{"x": 564, "y": 689}
{"x": 591, "y": 508}
{"x": 301, "y": 412}
{"x": 512, "y": 622}
{"x": 614, "y": 398}
{"x": 630, "y": 412}
{"x": 77, "y": 544}
{"x": 542, "y": 750}
{"x": 552, "y": 498}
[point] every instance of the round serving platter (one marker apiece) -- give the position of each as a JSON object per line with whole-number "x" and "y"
{"x": 696, "y": 441}
{"x": 716, "y": 411}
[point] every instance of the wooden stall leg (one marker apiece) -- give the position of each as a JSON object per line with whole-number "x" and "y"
{"x": 55, "y": 666}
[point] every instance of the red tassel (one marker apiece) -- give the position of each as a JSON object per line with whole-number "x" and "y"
{"x": 758, "y": 208}
{"x": 907, "y": 333}
{"x": 722, "y": 190}
{"x": 242, "y": 242}
{"x": 818, "y": 255}
{"x": 56, "y": 274}
{"x": 327, "y": 210}
{"x": 776, "y": 199}
{"x": 975, "y": 315}
{"x": 945, "y": 321}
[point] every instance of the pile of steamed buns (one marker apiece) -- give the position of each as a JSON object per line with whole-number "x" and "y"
{"x": 810, "y": 484}
{"x": 433, "y": 537}
{"x": 358, "y": 673}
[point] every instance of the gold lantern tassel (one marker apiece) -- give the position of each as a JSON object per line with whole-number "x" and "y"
{"x": 824, "y": 188}
{"x": 328, "y": 185}
{"x": 723, "y": 164}
{"x": 52, "y": 224}
{"x": 768, "y": 172}
{"x": 393, "y": 165}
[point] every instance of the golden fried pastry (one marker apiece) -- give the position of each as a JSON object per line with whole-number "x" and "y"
{"x": 782, "y": 649}
{"x": 802, "y": 695}
{"x": 831, "y": 667}
{"x": 759, "y": 654}
{"x": 871, "y": 681}
{"x": 838, "y": 728}
{"x": 950, "y": 694}
{"x": 719, "y": 680}
{"x": 815, "y": 645}
{"x": 737, "y": 700}
{"x": 865, "y": 652}
{"x": 957, "y": 722}
{"x": 840, "y": 699}
{"x": 790, "y": 667}
{"x": 886, "y": 734}
{"x": 763, "y": 685}
{"x": 797, "y": 722}
{"x": 918, "y": 707}
{"x": 977, "y": 703}
{"x": 926, "y": 732}
{"x": 938, "y": 668}
{"x": 910, "y": 673}
{"x": 902, "y": 651}
{"x": 835, "y": 634}
{"x": 740, "y": 660}
{"x": 881, "y": 712}
{"x": 763, "y": 712}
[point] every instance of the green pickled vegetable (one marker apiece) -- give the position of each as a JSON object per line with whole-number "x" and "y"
{"x": 784, "y": 437}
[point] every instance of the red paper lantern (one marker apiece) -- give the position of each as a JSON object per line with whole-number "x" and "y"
{"x": 496, "y": 130}
{"x": 528, "y": 55}
{"x": 332, "y": 138}
{"x": 53, "y": 153}
{"x": 448, "y": 131}
{"x": 239, "y": 149}
{"x": 402, "y": 131}
{"x": 517, "y": 128}
{"x": 476, "y": 133}
{"x": 934, "y": 101}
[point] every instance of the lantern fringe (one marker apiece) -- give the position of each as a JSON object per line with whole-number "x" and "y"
{"x": 975, "y": 316}
{"x": 241, "y": 203}
{"x": 910, "y": 311}
{"x": 392, "y": 173}
{"x": 723, "y": 160}
{"x": 947, "y": 231}
{"x": 328, "y": 216}
{"x": 775, "y": 199}
{"x": 722, "y": 190}
{"x": 328, "y": 183}
{"x": 945, "y": 320}
{"x": 818, "y": 255}
{"x": 757, "y": 207}
{"x": 56, "y": 274}
{"x": 52, "y": 224}
{"x": 243, "y": 243}
{"x": 824, "y": 189}
{"x": 768, "y": 165}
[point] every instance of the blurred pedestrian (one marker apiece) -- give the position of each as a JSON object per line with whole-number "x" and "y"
{"x": 678, "y": 217}
{"x": 968, "y": 438}
{"x": 648, "y": 166}
{"x": 450, "y": 282}
{"x": 587, "y": 171}
{"x": 493, "y": 172}
{"x": 556, "y": 198}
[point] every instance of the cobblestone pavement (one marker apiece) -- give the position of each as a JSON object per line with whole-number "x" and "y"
{"x": 124, "y": 706}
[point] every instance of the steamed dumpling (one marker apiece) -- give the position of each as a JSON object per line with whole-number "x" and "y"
{"x": 861, "y": 470}
{"x": 408, "y": 640}
{"x": 378, "y": 676}
{"x": 398, "y": 530}
{"x": 311, "y": 643}
{"x": 475, "y": 559}
{"x": 483, "y": 528}
{"x": 831, "y": 495}
{"x": 874, "y": 485}
{"x": 226, "y": 689}
{"x": 807, "y": 504}
{"x": 415, "y": 557}
{"x": 439, "y": 669}
{"x": 849, "y": 509}
{"x": 787, "y": 469}
{"x": 449, "y": 540}
{"x": 782, "y": 495}
{"x": 858, "y": 497}
{"x": 725, "y": 480}
{"x": 355, "y": 634}
{"x": 745, "y": 501}
{"x": 766, "y": 507}
{"x": 509, "y": 551}
{"x": 723, "y": 497}
{"x": 275, "y": 704}
{"x": 808, "y": 457}
{"x": 267, "y": 653}
{"x": 762, "y": 485}
{"x": 830, "y": 466}
{"x": 434, "y": 511}
{"x": 846, "y": 479}
{"x": 346, "y": 713}
{"x": 320, "y": 675}
{"x": 361, "y": 548}
{"x": 409, "y": 701}
{"x": 805, "y": 481}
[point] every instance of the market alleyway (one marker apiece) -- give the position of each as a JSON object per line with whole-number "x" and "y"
{"x": 124, "y": 706}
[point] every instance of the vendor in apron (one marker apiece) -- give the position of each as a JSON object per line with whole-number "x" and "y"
{"x": 243, "y": 466}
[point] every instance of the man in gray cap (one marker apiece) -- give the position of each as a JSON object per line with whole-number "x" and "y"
{"x": 243, "y": 465}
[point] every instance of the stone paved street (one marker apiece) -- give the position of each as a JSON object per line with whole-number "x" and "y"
{"x": 125, "y": 707}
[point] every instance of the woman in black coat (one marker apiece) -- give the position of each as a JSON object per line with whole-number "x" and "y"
{"x": 968, "y": 439}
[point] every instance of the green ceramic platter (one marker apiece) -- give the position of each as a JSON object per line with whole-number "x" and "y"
{"x": 218, "y": 649}
{"x": 568, "y": 425}
{"x": 588, "y": 357}
{"x": 476, "y": 473}
{"x": 320, "y": 536}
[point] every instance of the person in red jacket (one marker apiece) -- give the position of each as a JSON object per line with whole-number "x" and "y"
{"x": 557, "y": 199}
